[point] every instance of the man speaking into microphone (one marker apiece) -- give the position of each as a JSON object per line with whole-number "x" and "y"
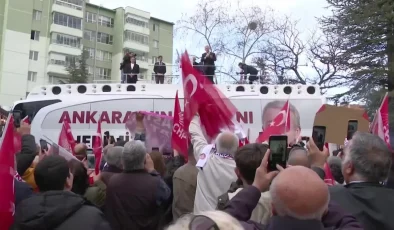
{"x": 208, "y": 59}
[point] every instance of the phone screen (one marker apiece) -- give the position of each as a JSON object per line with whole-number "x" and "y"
{"x": 278, "y": 148}
{"x": 44, "y": 145}
{"x": 351, "y": 128}
{"x": 319, "y": 136}
{"x": 91, "y": 161}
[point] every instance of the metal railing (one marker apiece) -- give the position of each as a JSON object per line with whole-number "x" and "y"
{"x": 168, "y": 79}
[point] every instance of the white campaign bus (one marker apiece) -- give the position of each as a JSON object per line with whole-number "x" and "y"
{"x": 84, "y": 104}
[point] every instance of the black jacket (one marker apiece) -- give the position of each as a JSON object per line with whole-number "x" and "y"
{"x": 58, "y": 210}
{"x": 27, "y": 154}
{"x": 22, "y": 191}
{"x": 247, "y": 69}
{"x": 160, "y": 68}
{"x": 371, "y": 203}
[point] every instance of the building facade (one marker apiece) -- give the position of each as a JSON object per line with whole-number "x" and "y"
{"x": 39, "y": 38}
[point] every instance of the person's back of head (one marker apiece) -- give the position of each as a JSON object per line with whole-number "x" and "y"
{"x": 335, "y": 164}
{"x": 81, "y": 151}
{"x": 298, "y": 156}
{"x": 298, "y": 192}
{"x": 53, "y": 173}
{"x": 120, "y": 143}
{"x": 133, "y": 156}
{"x": 158, "y": 162}
{"x": 227, "y": 143}
{"x": 247, "y": 159}
{"x": 114, "y": 156}
{"x": 80, "y": 177}
{"x": 207, "y": 220}
{"x": 366, "y": 158}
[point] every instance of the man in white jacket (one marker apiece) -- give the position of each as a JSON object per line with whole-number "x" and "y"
{"x": 216, "y": 165}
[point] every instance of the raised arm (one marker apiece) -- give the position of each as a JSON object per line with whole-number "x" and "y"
{"x": 197, "y": 137}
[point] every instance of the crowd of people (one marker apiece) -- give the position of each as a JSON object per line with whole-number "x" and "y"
{"x": 225, "y": 187}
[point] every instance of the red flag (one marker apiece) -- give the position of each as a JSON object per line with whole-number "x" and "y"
{"x": 202, "y": 97}
{"x": 179, "y": 137}
{"x": 328, "y": 178}
{"x": 380, "y": 123}
{"x": 97, "y": 149}
{"x": 7, "y": 173}
{"x": 17, "y": 136}
{"x": 66, "y": 138}
{"x": 279, "y": 126}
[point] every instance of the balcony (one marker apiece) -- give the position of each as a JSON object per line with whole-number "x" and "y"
{"x": 66, "y": 30}
{"x": 135, "y": 28}
{"x": 134, "y": 45}
{"x": 57, "y": 67}
{"x": 64, "y": 49}
{"x": 68, "y": 8}
{"x": 142, "y": 62}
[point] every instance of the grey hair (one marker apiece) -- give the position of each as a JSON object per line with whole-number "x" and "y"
{"x": 133, "y": 156}
{"x": 227, "y": 142}
{"x": 114, "y": 156}
{"x": 282, "y": 210}
{"x": 295, "y": 115}
{"x": 370, "y": 156}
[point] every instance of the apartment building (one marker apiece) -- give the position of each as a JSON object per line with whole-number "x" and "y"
{"x": 38, "y": 38}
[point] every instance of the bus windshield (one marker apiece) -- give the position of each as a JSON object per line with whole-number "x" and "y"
{"x": 31, "y": 108}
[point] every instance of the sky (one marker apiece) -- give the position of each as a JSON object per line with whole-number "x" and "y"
{"x": 305, "y": 11}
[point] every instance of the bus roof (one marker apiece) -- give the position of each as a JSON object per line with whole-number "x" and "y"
{"x": 68, "y": 91}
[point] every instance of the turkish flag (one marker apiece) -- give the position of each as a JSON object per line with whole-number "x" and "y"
{"x": 202, "y": 97}
{"x": 380, "y": 123}
{"x": 17, "y": 136}
{"x": 66, "y": 138}
{"x": 179, "y": 137}
{"x": 279, "y": 126}
{"x": 7, "y": 173}
{"x": 97, "y": 149}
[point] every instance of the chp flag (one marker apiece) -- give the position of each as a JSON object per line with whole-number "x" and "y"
{"x": 380, "y": 123}
{"x": 66, "y": 138}
{"x": 97, "y": 149}
{"x": 179, "y": 137}
{"x": 279, "y": 126}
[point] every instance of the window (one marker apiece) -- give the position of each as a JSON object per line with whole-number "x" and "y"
{"x": 103, "y": 55}
{"x": 33, "y": 55}
{"x": 32, "y": 76}
{"x": 91, "y": 17}
{"x": 66, "y": 40}
{"x": 90, "y": 51}
{"x": 103, "y": 73}
{"x": 155, "y": 44}
{"x": 154, "y": 27}
{"x": 154, "y": 60}
{"x": 140, "y": 38}
{"x": 37, "y": 15}
{"x": 89, "y": 35}
{"x": 105, "y": 21}
{"x": 90, "y": 70}
{"x": 74, "y": 4}
{"x": 137, "y": 22}
{"x": 104, "y": 38}
{"x": 67, "y": 20}
{"x": 68, "y": 59}
{"x": 35, "y": 35}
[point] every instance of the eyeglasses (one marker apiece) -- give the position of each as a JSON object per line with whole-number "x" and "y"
{"x": 201, "y": 222}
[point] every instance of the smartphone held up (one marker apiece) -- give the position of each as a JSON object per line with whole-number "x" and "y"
{"x": 278, "y": 152}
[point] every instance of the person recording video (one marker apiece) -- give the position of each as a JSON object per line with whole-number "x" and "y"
{"x": 247, "y": 69}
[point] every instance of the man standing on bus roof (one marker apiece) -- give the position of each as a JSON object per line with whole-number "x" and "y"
{"x": 160, "y": 70}
{"x": 208, "y": 59}
{"x": 272, "y": 109}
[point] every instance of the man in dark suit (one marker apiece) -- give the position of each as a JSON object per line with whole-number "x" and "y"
{"x": 246, "y": 69}
{"x": 366, "y": 164}
{"x": 135, "y": 71}
{"x": 208, "y": 59}
{"x": 160, "y": 69}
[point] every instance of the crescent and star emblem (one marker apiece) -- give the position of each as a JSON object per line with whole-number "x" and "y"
{"x": 193, "y": 80}
{"x": 283, "y": 116}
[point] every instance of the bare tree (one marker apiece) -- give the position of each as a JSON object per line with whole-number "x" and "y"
{"x": 207, "y": 23}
